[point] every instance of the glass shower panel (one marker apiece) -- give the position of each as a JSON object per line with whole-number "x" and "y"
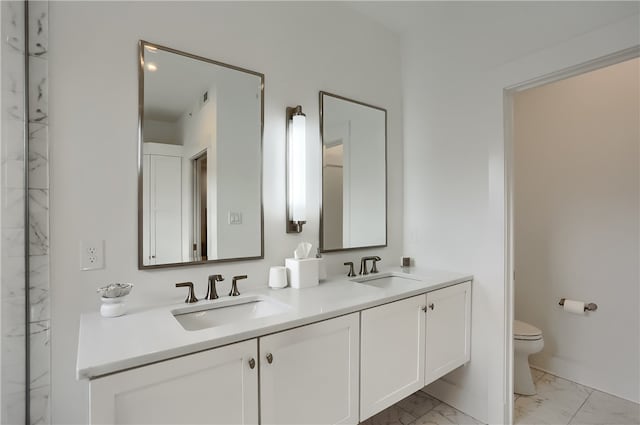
{"x": 12, "y": 215}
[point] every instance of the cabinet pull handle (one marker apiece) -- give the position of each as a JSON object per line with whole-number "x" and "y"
{"x": 252, "y": 363}
{"x": 269, "y": 358}
{"x": 432, "y": 306}
{"x": 423, "y": 308}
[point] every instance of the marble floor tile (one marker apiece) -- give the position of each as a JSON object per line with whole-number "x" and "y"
{"x": 443, "y": 414}
{"x": 391, "y": 416}
{"x": 536, "y": 374}
{"x": 601, "y": 408}
{"x": 418, "y": 404}
{"x": 555, "y": 403}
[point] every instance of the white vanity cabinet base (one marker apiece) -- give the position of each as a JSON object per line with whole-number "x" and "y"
{"x": 393, "y": 347}
{"x": 448, "y": 330}
{"x": 211, "y": 387}
{"x": 313, "y": 376}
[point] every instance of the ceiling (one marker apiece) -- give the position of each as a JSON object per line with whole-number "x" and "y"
{"x": 176, "y": 86}
{"x": 497, "y": 32}
{"x": 512, "y": 28}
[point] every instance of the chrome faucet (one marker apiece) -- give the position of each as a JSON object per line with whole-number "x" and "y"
{"x": 212, "y": 294}
{"x": 363, "y": 264}
{"x": 234, "y": 285}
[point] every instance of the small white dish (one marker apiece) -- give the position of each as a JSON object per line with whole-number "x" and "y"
{"x": 113, "y": 307}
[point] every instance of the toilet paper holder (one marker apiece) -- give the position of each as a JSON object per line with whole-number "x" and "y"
{"x": 587, "y": 307}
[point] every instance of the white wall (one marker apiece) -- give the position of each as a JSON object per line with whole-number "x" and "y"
{"x": 238, "y": 187}
{"x": 577, "y": 224}
{"x": 454, "y": 74}
{"x": 93, "y": 143}
{"x": 161, "y": 132}
{"x": 363, "y": 163}
{"x": 198, "y": 127}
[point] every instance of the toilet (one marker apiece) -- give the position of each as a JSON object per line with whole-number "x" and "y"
{"x": 527, "y": 340}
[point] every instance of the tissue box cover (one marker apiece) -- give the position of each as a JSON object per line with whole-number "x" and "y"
{"x": 302, "y": 273}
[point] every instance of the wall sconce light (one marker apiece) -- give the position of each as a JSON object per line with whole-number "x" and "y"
{"x": 296, "y": 170}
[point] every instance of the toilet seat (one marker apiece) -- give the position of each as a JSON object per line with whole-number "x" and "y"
{"x": 525, "y": 332}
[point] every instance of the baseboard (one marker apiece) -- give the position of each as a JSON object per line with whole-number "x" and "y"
{"x": 565, "y": 370}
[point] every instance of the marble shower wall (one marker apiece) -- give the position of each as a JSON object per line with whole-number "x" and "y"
{"x": 12, "y": 249}
{"x": 39, "y": 326}
{"x": 12, "y": 227}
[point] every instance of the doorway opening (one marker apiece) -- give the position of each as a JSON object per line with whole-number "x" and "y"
{"x": 566, "y": 192}
{"x": 200, "y": 207}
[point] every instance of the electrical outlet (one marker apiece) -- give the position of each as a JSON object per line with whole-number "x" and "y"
{"x": 91, "y": 255}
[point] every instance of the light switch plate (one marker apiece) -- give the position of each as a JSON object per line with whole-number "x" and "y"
{"x": 235, "y": 217}
{"x": 91, "y": 255}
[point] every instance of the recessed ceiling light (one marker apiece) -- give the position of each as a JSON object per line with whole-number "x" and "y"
{"x": 152, "y": 67}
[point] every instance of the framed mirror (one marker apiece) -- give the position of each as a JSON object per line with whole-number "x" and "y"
{"x": 353, "y": 211}
{"x": 199, "y": 160}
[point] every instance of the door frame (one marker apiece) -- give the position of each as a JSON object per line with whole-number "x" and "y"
{"x": 508, "y": 96}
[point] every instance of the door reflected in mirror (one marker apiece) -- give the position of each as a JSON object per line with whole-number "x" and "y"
{"x": 199, "y": 194}
{"x": 200, "y": 144}
{"x": 354, "y": 191}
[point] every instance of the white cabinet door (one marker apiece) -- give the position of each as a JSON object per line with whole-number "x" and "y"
{"x": 165, "y": 180}
{"x": 212, "y": 387}
{"x": 309, "y": 375}
{"x": 392, "y": 346}
{"x": 448, "y": 337}
{"x": 162, "y": 209}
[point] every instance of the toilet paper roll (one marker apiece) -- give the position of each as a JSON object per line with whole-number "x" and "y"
{"x": 575, "y": 307}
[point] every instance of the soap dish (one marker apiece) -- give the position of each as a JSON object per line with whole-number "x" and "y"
{"x": 113, "y": 296}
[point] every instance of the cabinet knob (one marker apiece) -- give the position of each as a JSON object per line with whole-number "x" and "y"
{"x": 423, "y": 308}
{"x": 270, "y": 358}
{"x": 432, "y": 306}
{"x": 252, "y": 363}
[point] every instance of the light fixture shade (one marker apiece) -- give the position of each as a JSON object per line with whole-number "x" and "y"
{"x": 296, "y": 170}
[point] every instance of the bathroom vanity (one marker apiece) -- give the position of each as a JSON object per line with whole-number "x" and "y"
{"x": 335, "y": 353}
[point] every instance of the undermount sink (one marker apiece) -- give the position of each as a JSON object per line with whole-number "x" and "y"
{"x": 218, "y": 313}
{"x": 388, "y": 280}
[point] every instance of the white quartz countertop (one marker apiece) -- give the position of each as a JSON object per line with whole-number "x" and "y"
{"x": 108, "y": 345}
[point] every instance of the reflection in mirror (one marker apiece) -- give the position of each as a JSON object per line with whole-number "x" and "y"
{"x": 354, "y": 175}
{"x": 200, "y": 144}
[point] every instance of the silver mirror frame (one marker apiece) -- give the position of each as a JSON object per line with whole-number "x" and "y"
{"x": 141, "y": 46}
{"x": 386, "y": 176}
